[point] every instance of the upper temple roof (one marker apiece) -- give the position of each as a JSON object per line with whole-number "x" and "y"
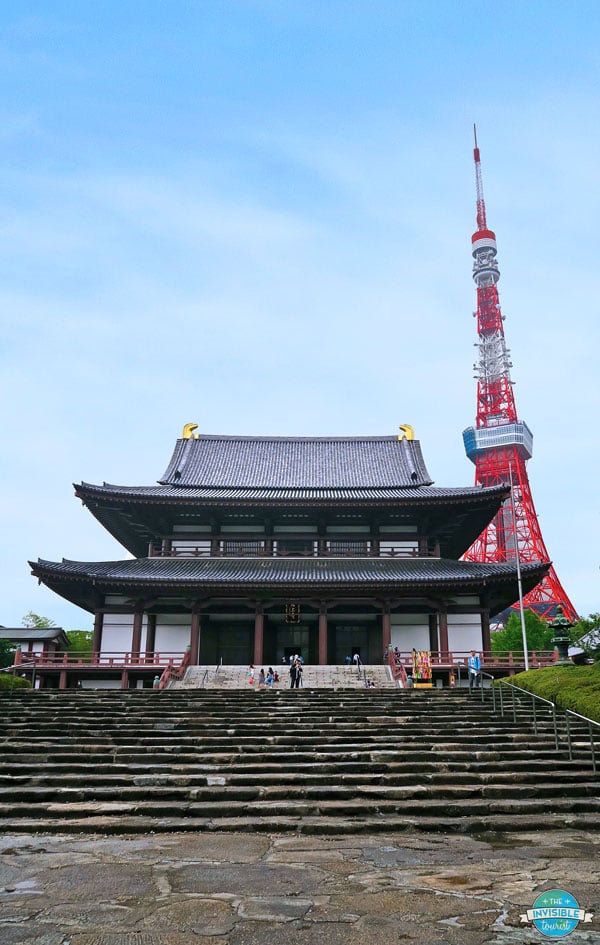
{"x": 213, "y": 477}
{"x": 297, "y": 462}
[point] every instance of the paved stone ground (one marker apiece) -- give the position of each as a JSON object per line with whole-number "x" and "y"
{"x": 246, "y": 889}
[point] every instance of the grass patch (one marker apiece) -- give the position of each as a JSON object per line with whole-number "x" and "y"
{"x": 570, "y": 687}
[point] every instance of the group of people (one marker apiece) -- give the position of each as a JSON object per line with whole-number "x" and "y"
{"x": 265, "y": 680}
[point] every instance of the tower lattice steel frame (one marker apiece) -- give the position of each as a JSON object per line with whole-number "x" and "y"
{"x": 500, "y": 444}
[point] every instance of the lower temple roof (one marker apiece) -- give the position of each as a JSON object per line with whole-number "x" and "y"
{"x": 77, "y": 581}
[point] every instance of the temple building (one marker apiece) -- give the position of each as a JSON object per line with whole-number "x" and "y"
{"x": 250, "y": 549}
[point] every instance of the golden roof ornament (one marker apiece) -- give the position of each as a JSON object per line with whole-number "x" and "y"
{"x": 188, "y": 432}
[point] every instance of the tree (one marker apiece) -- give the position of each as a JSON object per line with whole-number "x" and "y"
{"x": 7, "y": 651}
{"x": 35, "y": 622}
{"x": 539, "y": 634}
{"x": 80, "y": 641}
{"x": 588, "y": 628}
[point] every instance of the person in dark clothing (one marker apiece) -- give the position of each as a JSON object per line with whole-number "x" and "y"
{"x": 295, "y": 674}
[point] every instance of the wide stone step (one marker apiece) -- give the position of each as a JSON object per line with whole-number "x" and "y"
{"x": 267, "y": 809}
{"x": 220, "y": 789}
{"x": 250, "y": 724}
{"x": 281, "y": 744}
{"x": 564, "y": 771}
{"x": 321, "y": 825}
{"x": 341, "y": 770}
{"x": 237, "y": 754}
{"x": 248, "y": 760}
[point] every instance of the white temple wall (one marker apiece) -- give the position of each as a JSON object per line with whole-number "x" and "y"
{"x": 464, "y": 632}
{"x": 117, "y": 630}
{"x": 410, "y": 631}
{"x": 173, "y": 632}
{"x": 100, "y": 683}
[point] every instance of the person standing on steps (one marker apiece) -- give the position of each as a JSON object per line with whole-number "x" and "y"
{"x": 295, "y": 674}
{"x": 474, "y": 664}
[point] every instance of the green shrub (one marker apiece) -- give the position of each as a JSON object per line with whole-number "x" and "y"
{"x": 8, "y": 681}
{"x": 570, "y": 687}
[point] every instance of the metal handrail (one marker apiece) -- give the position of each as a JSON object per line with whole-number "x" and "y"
{"x": 218, "y": 667}
{"x": 589, "y": 722}
{"x": 203, "y": 680}
{"x": 534, "y": 700}
{"x": 487, "y": 676}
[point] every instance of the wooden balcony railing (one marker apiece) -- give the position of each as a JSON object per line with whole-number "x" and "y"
{"x": 309, "y": 551}
{"x": 66, "y": 659}
{"x": 401, "y": 661}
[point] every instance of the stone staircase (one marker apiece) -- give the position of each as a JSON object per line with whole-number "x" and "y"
{"x": 308, "y": 760}
{"x": 313, "y": 677}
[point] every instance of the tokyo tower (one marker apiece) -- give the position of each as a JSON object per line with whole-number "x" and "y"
{"x": 500, "y": 444}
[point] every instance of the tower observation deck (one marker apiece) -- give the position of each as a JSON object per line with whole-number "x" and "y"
{"x": 499, "y": 444}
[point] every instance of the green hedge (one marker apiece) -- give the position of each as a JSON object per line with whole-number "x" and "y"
{"x": 8, "y": 681}
{"x": 570, "y": 687}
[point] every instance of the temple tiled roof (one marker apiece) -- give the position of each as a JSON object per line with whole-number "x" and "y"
{"x": 181, "y": 494}
{"x": 281, "y": 571}
{"x": 238, "y": 462}
{"x": 30, "y": 634}
{"x": 189, "y": 578}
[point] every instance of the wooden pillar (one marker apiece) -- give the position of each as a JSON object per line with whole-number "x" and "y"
{"x": 136, "y": 635}
{"x": 195, "y": 639}
{"x": 434, "y": 642}
{"x": 124, "y": 679}
{"x": 386, "y": 627}
{"x": 150, "y": 637}
{"x": 322, "y": 635}
{"x": 259, "y": 621}
{"x": 486, "y": 643}
{"x": 62, "y": 679}
{"x": 97, "y": 634}
{"x": 443, "y": 630}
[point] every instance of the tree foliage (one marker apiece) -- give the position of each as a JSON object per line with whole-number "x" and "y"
{"x": 539, "y": 634}
{"x": 80, "y": 641}
{"x": 7, "y": 650}
{"x": 588, "y": 628}
{"x": 35, "y": 622}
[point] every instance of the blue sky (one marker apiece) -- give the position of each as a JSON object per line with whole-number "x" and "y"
{"x": 256, "y": 215}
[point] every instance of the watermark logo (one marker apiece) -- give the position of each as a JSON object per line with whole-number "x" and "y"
{"x": 556, "y": 913}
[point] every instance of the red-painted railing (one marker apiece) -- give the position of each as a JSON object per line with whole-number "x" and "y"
{"x": 172, "y": 673}
{"x": 402, "y": 660}
{"x": 107, "y": 659}
{"x": 398, "y": 668}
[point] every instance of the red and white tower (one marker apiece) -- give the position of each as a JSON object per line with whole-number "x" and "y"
{"x": 500, "y": 444}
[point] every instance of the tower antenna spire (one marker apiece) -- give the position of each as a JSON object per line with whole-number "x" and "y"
{"x": 481, "y": 217}
{"x": 500, "y": 444}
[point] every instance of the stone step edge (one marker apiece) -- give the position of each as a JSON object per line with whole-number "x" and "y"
{"x": 123, "y": 826}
